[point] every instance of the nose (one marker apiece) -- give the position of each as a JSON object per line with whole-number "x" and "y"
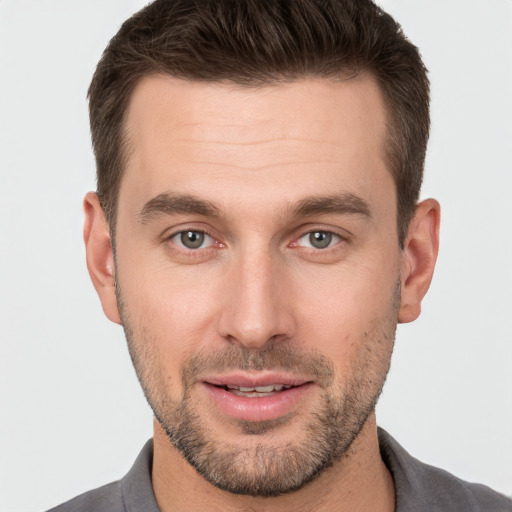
{"x": 256, "y": 302}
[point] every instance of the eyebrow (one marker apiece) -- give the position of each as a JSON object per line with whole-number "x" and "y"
{"x": 175, "y": 204}
{"x": 171, "y": 204}
{"x": 345, "y": 203}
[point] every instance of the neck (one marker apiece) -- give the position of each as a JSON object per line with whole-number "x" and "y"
{"x": 359, "y": 481}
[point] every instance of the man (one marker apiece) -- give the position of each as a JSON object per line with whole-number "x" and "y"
{"x": 257, "y": 233}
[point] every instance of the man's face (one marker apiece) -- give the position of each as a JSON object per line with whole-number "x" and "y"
{"x": 258, "y": 271}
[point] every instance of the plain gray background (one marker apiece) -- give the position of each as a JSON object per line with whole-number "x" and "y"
{"x": 72, "y": 415}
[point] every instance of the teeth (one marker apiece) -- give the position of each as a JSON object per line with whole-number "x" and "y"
{"x": 258, "y": 389}
{"x": 265, "y": 389}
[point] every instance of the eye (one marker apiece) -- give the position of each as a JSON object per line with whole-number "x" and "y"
{"x": 192, "y": 239}
{"x": 319, "y": 239}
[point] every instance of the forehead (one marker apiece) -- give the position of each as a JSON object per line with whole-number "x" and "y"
{"x": 292, "y": 136}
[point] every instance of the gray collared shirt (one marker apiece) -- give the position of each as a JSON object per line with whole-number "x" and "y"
{"x": 419, "y": 488}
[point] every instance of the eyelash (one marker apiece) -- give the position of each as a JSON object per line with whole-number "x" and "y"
{"x": 337, "y": 239}
{"x": 189, "y": 251}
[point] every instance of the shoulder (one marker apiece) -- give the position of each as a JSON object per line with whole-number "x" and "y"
{"x": 446, "y": 489}
{"x": 134, "y": 492}
{"x": 422, "y": 487}
{"x": 108, "y": 497}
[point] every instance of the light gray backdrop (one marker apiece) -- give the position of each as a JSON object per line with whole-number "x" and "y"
{"x": 72, "y": 415}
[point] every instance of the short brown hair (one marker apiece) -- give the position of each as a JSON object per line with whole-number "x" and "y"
{"x": 258, "y": 42}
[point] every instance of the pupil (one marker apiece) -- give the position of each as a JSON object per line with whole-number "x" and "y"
{"x": 320, "y": 239}
{"x": 192, "y": 239}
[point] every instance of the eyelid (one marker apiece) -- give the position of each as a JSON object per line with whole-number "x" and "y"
{"x": 168, "y": 237}
{"x": 170, "y": 232}
{"x": 335, "y": 239}
{"x": 176, "y": 240}
{"x": 305, "y": 231}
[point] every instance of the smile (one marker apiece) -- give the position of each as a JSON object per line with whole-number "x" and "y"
{"x": 257, "y": 399}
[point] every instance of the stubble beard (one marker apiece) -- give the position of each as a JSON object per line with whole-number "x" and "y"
{"x": 267, "y": 468}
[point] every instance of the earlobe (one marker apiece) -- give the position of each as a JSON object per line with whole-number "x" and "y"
{"x": 99, "y": 254}
{"x": 419, "y": 258}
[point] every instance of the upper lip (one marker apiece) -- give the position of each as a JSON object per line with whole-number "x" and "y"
{"x": 257, "y": 379}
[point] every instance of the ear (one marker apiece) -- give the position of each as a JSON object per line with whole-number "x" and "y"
{"x": 419, "y": 258}
{"x": 100, "y": 257}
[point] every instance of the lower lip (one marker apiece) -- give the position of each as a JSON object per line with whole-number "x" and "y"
{"x": 258, "y": 408}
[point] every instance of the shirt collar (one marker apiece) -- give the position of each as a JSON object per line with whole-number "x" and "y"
{"x": 137, "y": 488}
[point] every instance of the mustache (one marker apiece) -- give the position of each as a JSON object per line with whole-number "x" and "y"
{"x": 281, "y": 356}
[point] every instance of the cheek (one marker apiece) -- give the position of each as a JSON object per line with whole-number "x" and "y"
{"x": 345, "y": 309}
{"x": 174, "y": 308}
{"x": 165, "y": 327}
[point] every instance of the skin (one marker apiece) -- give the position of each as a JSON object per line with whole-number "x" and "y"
{"x": 255, "y": 154}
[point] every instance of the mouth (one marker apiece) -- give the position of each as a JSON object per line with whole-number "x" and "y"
{"x": 252, "y": 398}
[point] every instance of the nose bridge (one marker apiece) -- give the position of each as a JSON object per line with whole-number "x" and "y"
{"x": 256, "y": 309}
